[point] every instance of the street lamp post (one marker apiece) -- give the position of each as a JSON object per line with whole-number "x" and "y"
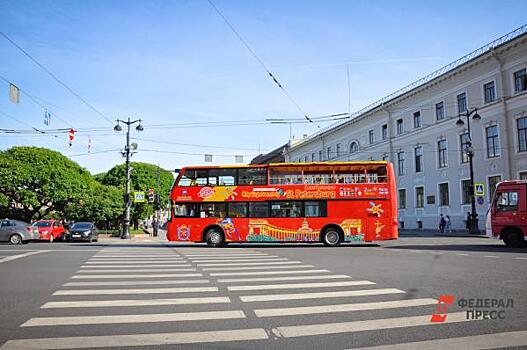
{"x": 473, "y": 220}
{"x": 125, "y": 234}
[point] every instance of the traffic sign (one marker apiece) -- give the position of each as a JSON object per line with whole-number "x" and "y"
{"x": 479, "y": 189}
{"x": 139, "y": 197}
{"x": 480, "y": 200}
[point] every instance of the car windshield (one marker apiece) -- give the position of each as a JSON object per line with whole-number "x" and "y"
{"x": 81, "y": 226}
{"x": 42, "y": 224}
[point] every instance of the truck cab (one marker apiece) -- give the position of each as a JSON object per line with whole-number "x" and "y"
{"x": 507, "y": 217}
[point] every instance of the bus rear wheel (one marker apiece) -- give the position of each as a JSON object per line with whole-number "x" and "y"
{"x": 214, "y": 238}
{"x": 513, "y": 238}
{"x": 331, "y": 237}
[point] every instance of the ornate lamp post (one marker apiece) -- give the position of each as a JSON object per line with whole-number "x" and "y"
{"x": 125, "y": 234}
{"x": 473, "y": 220}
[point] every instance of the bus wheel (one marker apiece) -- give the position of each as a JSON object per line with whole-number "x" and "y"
{"x": 513, "y": 238}
{"x": 214, "y": 238}
{"x": 331, "y": 237}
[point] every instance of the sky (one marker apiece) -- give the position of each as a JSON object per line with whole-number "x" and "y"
{"x": 174, "y": 63}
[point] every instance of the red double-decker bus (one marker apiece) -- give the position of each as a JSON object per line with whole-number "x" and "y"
{"x": 329, "y": 202}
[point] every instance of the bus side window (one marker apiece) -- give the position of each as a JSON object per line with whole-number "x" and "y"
{"x": 507, "y": 201}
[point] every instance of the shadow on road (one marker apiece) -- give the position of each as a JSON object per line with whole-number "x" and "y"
{"x": 497, "y": 248}
{"x": 229, "y": 246}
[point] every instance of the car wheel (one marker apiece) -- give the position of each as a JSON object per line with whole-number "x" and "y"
{"x": 214, "y": 238}
{"x": 513, "y": 238}
{"x": 331, "y": 237}
{"x": 15, "y": 239}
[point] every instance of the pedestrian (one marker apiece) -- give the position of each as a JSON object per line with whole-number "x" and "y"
{"x": 442, "y": 224}
{"x": 448, "y": 224}
{"x": 467, "y": 222}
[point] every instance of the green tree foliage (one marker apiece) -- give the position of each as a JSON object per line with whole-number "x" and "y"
{"x": 142, "y": 177}
{"x": 35, "y": 181}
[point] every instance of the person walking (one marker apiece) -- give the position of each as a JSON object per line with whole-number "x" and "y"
{"x": 442, "y": 223}
{"x": 448, "y": 224}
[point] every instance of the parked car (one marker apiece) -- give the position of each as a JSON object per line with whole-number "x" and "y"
{"x": 83, "y": 231}
{"x": 50, "y": 230}
{"x": 17, "y": 232}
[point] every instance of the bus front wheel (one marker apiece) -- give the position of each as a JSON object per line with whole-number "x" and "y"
{"x": 513, "y": 238}
{"x": 214, "y": 238}
{"x": 331, "y": 237}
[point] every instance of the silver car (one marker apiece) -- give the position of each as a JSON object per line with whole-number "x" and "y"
{"x": 17, "y": 232}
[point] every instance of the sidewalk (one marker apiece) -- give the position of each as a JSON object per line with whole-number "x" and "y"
{"x": 147, "y": 237}
{"x": 436, "y": 233}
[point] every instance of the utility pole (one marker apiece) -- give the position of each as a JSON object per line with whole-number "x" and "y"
{"x": 125, "y": 234}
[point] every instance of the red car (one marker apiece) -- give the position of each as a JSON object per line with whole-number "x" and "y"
{"x": 49, "y": 230}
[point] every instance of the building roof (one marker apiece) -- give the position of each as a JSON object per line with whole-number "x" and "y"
{"x": 436, "y": 75}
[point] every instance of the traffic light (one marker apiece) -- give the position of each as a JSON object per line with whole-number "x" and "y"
{"x": 151, "y": 196}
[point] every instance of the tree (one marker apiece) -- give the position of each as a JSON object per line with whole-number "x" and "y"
{"x": 35, "y": 181}
{"x": 142, "y": 177}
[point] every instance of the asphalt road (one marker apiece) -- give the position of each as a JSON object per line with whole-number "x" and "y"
{"x": 141, "y": 295}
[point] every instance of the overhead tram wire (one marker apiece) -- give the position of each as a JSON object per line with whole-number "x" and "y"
{"x": 192, "y": 145}
{"x": 273, "y": 77}
{"x": 54, "y": 77}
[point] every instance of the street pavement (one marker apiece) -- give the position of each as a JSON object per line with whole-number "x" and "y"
{"x": 146, "y": 293}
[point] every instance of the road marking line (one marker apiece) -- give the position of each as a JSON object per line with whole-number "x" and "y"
{"x": 139, "y": 302}
{"x": 238, "y": 260}
{"x": 492, "y": 256}
{"x": 135, "y": 270}
{"x": 142, "y": 318}
{"x": 136, "y": 291}
{"x": 309, "y": 310}
{"x": 157, "y": 262}
{"x": 162, "y": 275}
{"x": 130, "y": 340}
{"x": 296, "y": 296}
{"x": 255, "y": 268}
{"x": 360, "y": 326}
{"x": 18, "y": 256}
{"x": 130, "y": 283}
{"x": 301, "y": 285}
{"x": 134, "y": 258}
{"x": 473, "y": 342}
{"x": 288, "y": 278}
{"x": 266, "y": 273}
{"x": 521, "y": 258}
{"x": 462, "y": 254}
{"x": 258, "y": 263}
{"x": 130, "y": 266}
{"x": 201, "y": 256}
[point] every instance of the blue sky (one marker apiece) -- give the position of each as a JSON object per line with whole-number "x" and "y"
{"x": 171, "y": 62}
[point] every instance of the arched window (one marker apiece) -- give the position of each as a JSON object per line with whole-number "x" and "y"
{"x": 354, "y": 147}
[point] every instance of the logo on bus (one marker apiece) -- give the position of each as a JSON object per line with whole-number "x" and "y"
{"x": 206, "y": 192}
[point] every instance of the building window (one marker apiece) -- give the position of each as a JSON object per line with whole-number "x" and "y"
{"x": 354, "y": 147}
{"x": 465, "y": 192}
{"x": 400, "y": 126}
{"x": 523, "y": 175}
{"x": 522, "y": 134}
{"x": 402, "y": 199}
{"x": 440, "y": 111}
{"x": 520, "y": 80}
{"x": 370, "y": 137}
{"x": 461, "y": 102}
{"x": 444, "y": 199}
{"x": 305, "y": 159}
{"x": 493, "y": 182}
{"x": 417, "y": 119}
{"x": 419, "y": 197}
{"x": 384, "y": 131}
{"x": 493, "y": 141}
{"x": 329, "y": 152}
{"x": 442, "y": 153}
{"x": 490, "y": 92}
{"x": 313, "y": 156}
{"x": 321, "y": 156}
{"x": 418, "y": 151}
{"x": 400, "y": 163}
{"x": 338, "y": 150}
{"x": 464, "y": 142}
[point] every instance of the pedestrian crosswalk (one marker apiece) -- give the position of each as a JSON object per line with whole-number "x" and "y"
{"x": 207, "y": 296}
